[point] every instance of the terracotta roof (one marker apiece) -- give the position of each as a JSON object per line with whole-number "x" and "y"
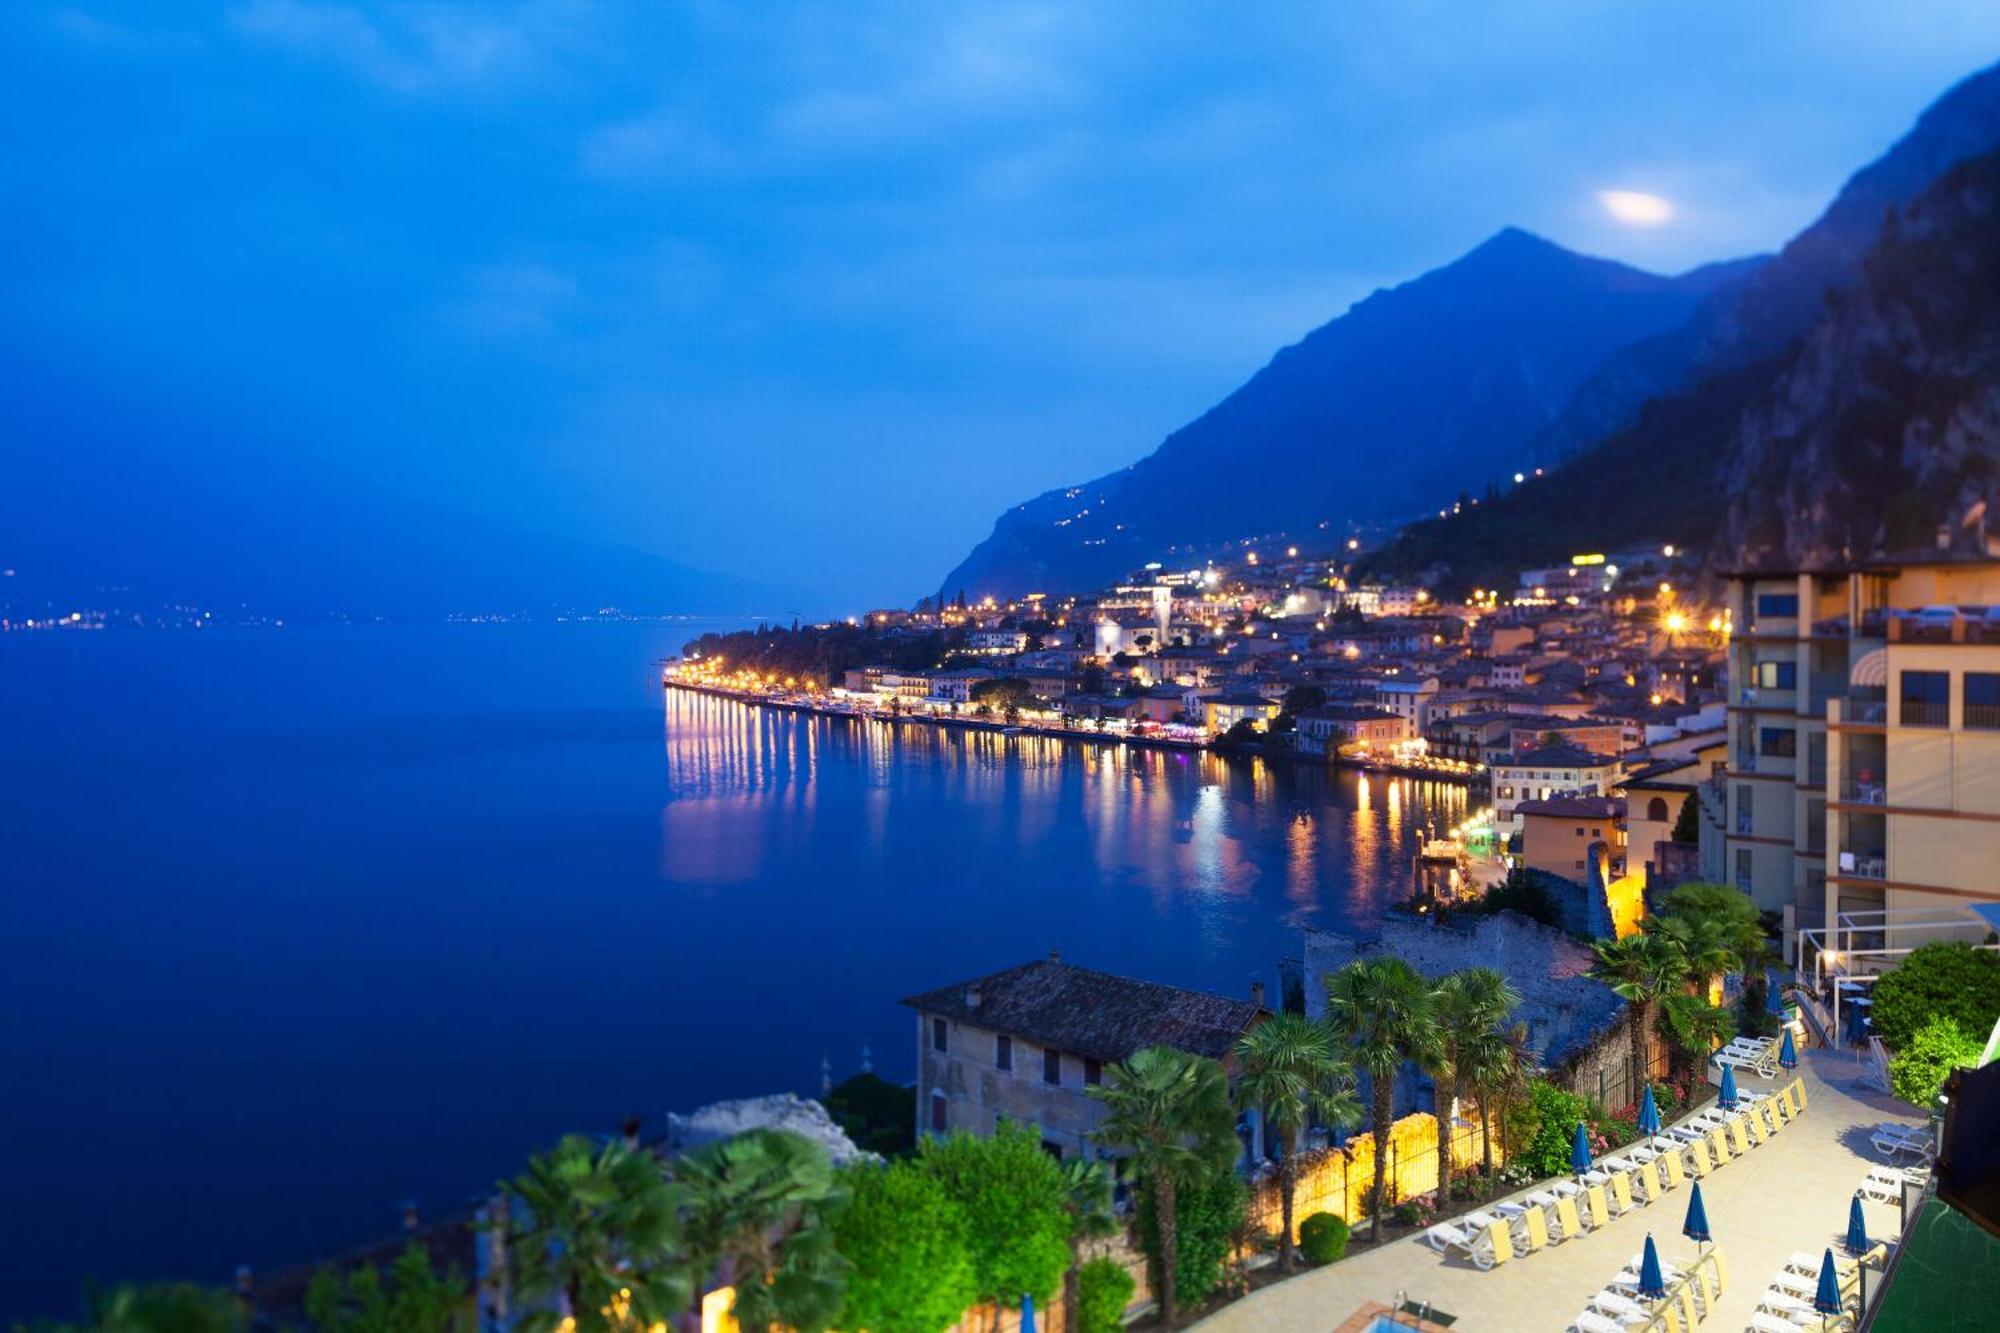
{"x": 1574, "y": 807}
{"x": 1090, "y": 1013}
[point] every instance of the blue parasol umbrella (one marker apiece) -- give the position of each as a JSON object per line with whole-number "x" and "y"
{"x": 1027, "y": 1313}
{"x": 1857, "y": 1230}
{"x": 1579, "y": 1150}
{"x": 1649, "y": 1114}
{"x": 1788, "y": 1054}
{"x": 1652, "y": 1282}
{"x": 1695, "y": 1228}
{"x": 1827, "y": 1299}
{"x": 1726, "y": 1095}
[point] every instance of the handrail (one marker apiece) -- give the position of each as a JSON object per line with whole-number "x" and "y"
{"x": 1665, "y": 1315}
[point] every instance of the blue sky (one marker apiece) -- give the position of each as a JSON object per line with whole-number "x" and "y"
{"x": 811, "y": 291}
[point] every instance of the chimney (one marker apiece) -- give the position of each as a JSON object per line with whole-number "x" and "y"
{"x": 1055, "y": 955}
{"x": 1257, "y": 993}
{"x": 628, "y": 1129}
{"x": 972, "y": 996}
{"x": 410, "y": 1217}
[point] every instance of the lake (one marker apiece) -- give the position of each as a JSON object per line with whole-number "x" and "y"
{"x": 301, "y": 924}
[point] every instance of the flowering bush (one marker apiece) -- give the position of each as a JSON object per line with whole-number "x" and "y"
{"x": 1418, "y": 1212}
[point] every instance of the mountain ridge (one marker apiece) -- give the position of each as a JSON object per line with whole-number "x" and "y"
{"x": 1472, "y": 358}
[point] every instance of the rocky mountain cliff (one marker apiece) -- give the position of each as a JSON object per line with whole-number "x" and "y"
{"x": 1760, "y": 316}
{"x": 1885, "y": 423}
{"x": 1414, "y": 395}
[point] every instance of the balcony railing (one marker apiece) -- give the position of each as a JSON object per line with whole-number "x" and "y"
{"x": 1745, "y": 825}
{"x": 1856, "y": 792}
{"x": 1921, "y": 714}
{"x": 1982, "y": 717}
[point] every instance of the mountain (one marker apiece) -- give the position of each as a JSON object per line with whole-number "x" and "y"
{"x": 1750, "y": 320}
{"x": 1692, "y": 463}
{"x": 1885, "y": 423}
{"x": 1414, "y": 395}
{"x": 133, "y": 508}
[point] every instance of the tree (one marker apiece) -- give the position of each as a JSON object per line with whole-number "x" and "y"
{"x": 599, "y": 1234}
{"x": 1209, "y": 1213}
{"x": 1303, "y": 699}
{"x": 1382, "y": 1009}
{"x": 1693, "y": 1027}
{"x": 1718, "y": 930}
{"x": 164, "y": 1307}
{"x": 1104, "y": 1289}
{"x": 756, "y": 1217}
{"x": 1017, "y": 1222}
{"x": 1168, "y": 1111}
{"x": 1918, "y": 1070}
{"x": 415, "y": 1300}
{"x": 1290, "y": 1071}
{"x": 1495, "y": 1064}
{"x": 1942, "y": 979}
{"x": 1521, "y": 892}
{"x": 905, "y": 1241}
{"x": 1088, "y": 1197}
{"x": 1687, "y": 824}
{"x": 1466, "y": 1004}
{"x": 876, "y": 1114}
{"x": 1643, "y": 969}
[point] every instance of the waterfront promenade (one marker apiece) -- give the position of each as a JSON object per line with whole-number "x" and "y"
{"x": 1183, "y": 740}
{"x": 1789, "y": 1195}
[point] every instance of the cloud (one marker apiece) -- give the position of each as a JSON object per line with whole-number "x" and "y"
{"x": 414, "y": 50}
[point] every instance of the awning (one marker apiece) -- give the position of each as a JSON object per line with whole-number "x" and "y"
{"x": 1872, "y": 670}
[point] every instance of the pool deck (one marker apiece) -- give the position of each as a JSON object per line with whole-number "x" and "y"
{"x": 1790, "y": 1194}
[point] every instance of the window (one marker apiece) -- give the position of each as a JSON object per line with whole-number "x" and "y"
{"x": 1003, "y": 1052}
{"x": 1093, "y": 1072}
{"x": 939, "y": 1038}
{"x": 1777, "y": 606}
{"x": 1743, "y": 869}
{"x": 1982, "y": 700}
{"x": 939, "y": 1109}
{"x": 1507, "y": 793}
{"x": 1579, "y": 830}
{"x": 1656, "y": 810}
{"x": 1780, "y": 741}
{"x": 1778, "y": 675}
{"x": 1926, "y": 698}
{"x": 1051, "y": 1066}
{"x": 1052, "y": 1148}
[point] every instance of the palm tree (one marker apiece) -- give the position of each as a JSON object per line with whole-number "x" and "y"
{"x": 1693, "y": 1027}
{"x": 598, "y": 1237}
{"x": 167, "y": 1307}
{"x": 1288, "y": 1068}
{"x": 1720, "y": 930}
{"x": 1169, "y": 1112}
{"x": 1087, "y": 1198}
{"x": 1496, "y": 1065}
{"x": 755, "y": 1217}
{"x": 1467, "y": 1004}
{"x": 1643, "y": 969}
{"x": 1381, "y": 1008}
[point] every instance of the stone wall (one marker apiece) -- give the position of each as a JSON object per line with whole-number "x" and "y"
{"x": 1564, "y": 1009}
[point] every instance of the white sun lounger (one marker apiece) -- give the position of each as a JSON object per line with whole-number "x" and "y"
{"x": 1589, "y": 1321}
{"x": 1763, "y": 1322}
{"x": 1893, "y": 1140}
{"x": 1444, "y": 1237}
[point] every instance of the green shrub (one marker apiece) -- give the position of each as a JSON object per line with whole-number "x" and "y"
{"x": 1322, "y": 1238}
{"x": 1918, "y": 1070}
{"x": 1103, "y": 1290}
{"x": 1943, "y": 979}
{"x": 1207, "y": 1214}
{"x": 1016, "y": 1214}
{"x": 1554, "y": 1117}
{"x": 911, "y": 1271}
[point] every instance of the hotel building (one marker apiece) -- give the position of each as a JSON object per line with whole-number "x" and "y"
{"x": 1861, "y": 795}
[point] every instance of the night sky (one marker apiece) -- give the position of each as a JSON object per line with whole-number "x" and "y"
{"x": 849, "y": 278}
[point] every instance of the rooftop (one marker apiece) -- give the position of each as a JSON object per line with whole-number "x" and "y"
{"x": 1095, "y": 1014}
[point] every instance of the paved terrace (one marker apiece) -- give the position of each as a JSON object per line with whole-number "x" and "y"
{"x": 1790, "y": 1194}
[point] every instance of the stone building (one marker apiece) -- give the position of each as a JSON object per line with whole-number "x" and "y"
{"x": 1024, "y": 1044}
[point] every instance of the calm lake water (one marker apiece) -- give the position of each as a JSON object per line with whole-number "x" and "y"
{"x": 297, "y": 925}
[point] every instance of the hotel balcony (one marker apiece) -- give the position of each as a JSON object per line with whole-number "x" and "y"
{"x": 1854, "y": 791}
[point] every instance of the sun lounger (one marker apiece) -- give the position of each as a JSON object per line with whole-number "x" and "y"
{"x": 1621, "y": 1193}
{"x": 1718, "y": 1144}
{"x": 1884, "y": 1185}
{"x": 1894, "y": 1140}
{"x": 1444, "y": 1237}
{"x": 1699, "y": 1163}
{"x": 1589, "y": 1321}
{"x": 1672, "y": 1175}
{"x": 1621, "y": 1307}
{"x": 1492, "y": 1247}
{"x": 1533, "y": 1232}
{"x": 1569, "y": 1223}
{"x": 1739, "y": 1136}
{"x": 1596, "y": 1209}
{"x": 1762, "y": 1322}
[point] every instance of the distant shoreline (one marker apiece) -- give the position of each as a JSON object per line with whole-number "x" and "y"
{"x": 1063, "y": 733}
